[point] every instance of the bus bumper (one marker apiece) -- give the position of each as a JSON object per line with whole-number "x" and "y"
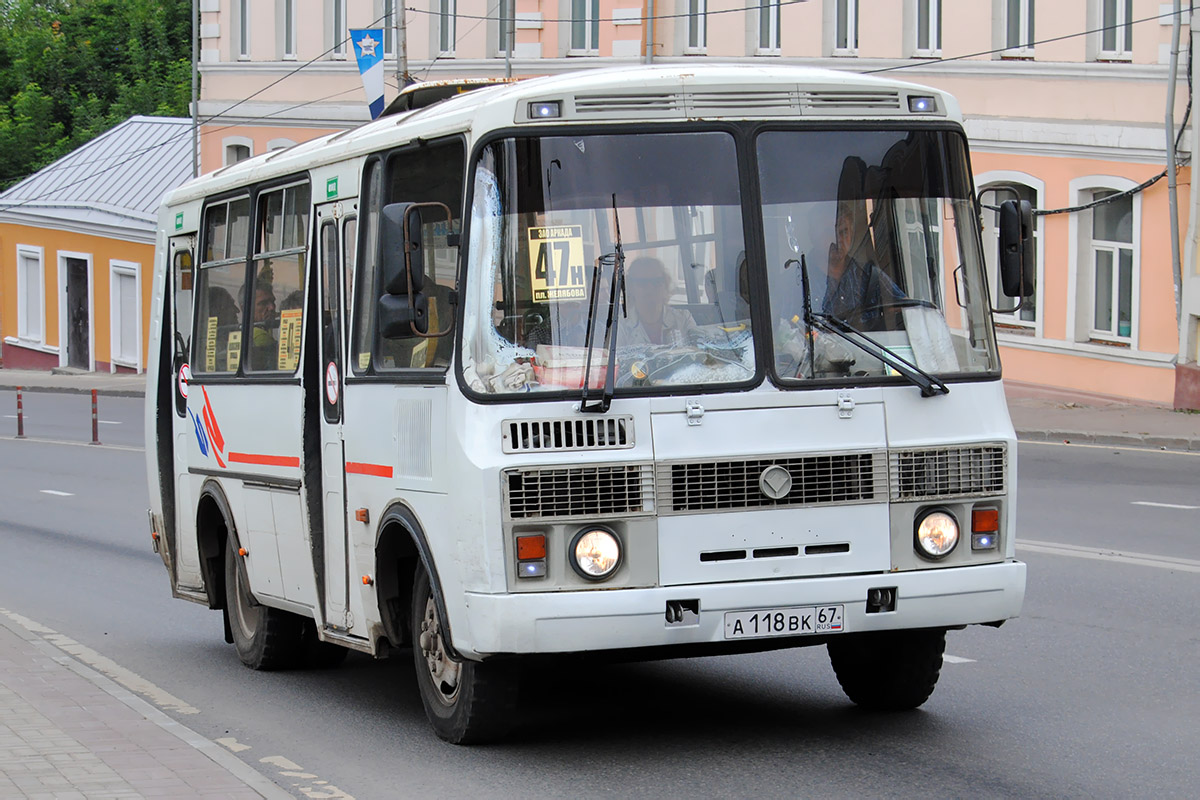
{"x": 569, "y": 622}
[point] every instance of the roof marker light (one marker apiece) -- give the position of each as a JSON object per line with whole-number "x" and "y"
{"x": 548, "y": 109}
{"x": 922, "y": 105}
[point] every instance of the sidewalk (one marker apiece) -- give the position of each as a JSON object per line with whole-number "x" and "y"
{"x": 1039, "y": 413}
{"x": 66, "y": 731}
{"x": 121, "y": 384}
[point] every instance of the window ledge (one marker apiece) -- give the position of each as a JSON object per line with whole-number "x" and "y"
{"x": 836, "y": 53}
{"x": 31, "y": 344}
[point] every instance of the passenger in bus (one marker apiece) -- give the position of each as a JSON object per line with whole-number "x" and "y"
{"x": 654, "y": 322}
{"x": 856, "y": 290}
{"x": 263, "y": 346}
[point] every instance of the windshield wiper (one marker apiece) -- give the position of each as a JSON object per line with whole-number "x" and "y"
{"x": 617, "y": 259}
{"x": 929, "y": 385}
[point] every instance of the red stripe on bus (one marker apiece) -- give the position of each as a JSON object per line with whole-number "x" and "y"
{"x": 266, "y": 461}
{"x": 378, "y": 470}
{"x": 218, "y": 439}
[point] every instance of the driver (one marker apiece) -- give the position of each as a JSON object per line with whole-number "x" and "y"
{"x": 856, "y": 290}
{"x": 656, "y": 323}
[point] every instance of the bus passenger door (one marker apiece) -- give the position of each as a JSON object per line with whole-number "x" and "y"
{"x": 182, "y": 550}
{"x": 333, "y": 477}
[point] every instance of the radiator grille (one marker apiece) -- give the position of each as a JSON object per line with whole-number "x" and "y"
{"x": 945, "y": 472}
{"x": 559, "y": 435}
{"x": 727, "y": 485}
{"x": 593, "y": 490}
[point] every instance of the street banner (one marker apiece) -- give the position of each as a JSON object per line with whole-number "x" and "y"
{"x": 368, "y": 50}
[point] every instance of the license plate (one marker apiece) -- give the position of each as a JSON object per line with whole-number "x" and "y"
{"x": 783, "y": 622}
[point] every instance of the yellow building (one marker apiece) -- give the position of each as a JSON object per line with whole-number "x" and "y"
{"x": 77, "y": 249}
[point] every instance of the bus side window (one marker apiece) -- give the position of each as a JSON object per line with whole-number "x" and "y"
{"x": 219, "y": 284}
{"x": 431, "y": 174}
{"x": 363, "y": 279}
{"x": 276, "y": 300}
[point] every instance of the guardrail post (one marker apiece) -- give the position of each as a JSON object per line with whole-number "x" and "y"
{"x": 20, "y": 415}
{"x": 95, "y": 421}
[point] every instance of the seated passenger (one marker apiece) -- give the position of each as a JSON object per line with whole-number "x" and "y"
{"x": 856, "y": 290}
{"x": 653, "y": 322}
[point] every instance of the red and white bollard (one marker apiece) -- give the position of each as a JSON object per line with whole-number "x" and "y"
{"x": 20, "y": 415}
{"x": 95, "y": 421}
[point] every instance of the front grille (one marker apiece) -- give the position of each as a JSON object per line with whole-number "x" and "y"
{"x": 593, "y": 490}
{"x": 729, "y": 485}
{"x": 936, "y": 473}
{"x": 558, "y": 435}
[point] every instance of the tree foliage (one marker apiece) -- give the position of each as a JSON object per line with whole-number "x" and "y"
{"x": 72, "y": 69}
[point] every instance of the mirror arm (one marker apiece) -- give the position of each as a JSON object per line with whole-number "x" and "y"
{"x": 408, "y": 267}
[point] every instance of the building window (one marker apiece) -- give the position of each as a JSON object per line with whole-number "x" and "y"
{"x": 236, "y": 152}
{"x": 389, "y": 28}
{"x": 697, "y": 31}
{"x": 585, "y": 27}
{"x": 1116, "y": 23}
{"x": 338, "y": 29}
{"x": 1018, "y": 28}
{"x": 447, "y": 14}
{"x": 845, "y": 28}
{"x": 243, "y": 29}
{"x": 929, "y": 28}
{"x": 504, "y": 16}
{"x": 768, "y": 28}
{"x": 1113, "y": 266}
{"x": 289, "y": 29}
{"x": 1007, "y": 312}
{"x": 126, "y": 316}
{"x": 30, "y": 303}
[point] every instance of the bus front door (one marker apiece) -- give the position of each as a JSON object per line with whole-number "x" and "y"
{"x": 181, "y": 547}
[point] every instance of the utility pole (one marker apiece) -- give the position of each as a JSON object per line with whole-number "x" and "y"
{"x": 400, "y": 17}
{"x": 507, "y": 22}
{"x": 195, "y": 87}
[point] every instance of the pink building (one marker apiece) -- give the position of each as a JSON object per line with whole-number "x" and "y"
{"x": 1065, "y": 104}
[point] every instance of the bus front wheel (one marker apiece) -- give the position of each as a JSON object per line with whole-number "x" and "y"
{"x": 467, "y": 702}
{"x": 265, "y": 638}
{"x": 888, "y": 670}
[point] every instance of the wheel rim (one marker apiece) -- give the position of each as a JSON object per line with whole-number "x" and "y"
{"x": 245, "y": 617}
{"x": 443, "y": 670}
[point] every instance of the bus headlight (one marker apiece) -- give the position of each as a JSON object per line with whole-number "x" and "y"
{"x": 937, "y": 534}
{"x": 595, "y": 553}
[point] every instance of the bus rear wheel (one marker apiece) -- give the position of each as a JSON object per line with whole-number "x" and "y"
{"x": 467, "y": 702}
{"x": 889, "y": 670}
{"x": 265, "y": 638}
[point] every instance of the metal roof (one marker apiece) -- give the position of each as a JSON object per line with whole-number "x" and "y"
{"x": 115, "y": 181}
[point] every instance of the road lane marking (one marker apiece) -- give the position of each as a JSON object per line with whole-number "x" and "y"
{"x": 233, "y": 744}
{"x": 312, "y": 787}
{"x": 957, "y": 660}
{"x": 1162, "y": 505}
{"x": 1107, "y": 554}
{"x": 108, "y": 422}
{"x": 38, "y": 440}
{"x": 130, "y": 680}
{"x": 1147, "y": 449}
{"x": 57, "y": 493}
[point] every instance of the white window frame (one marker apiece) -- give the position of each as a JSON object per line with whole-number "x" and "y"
{"x": 242, "y": 23}
{"x": 1123, "y": 10}
{"x": 696, "y": 28}
{"x": 1114, "y": 249}
{"x": 505, "y": 10}
{"x": 287, "y": 30}
{"x": 339, "y": 30}
{"x": 38, "y": 256}
{"x": 851, "y": 16}
{"x": 63, "y": 349}
{"x": 769, "y": 21}
{"x": 116, "y": 269}
{"x": 1025, "y": 27}
{"x": 1081, "y": 265}
{"x": 232, "y": 141}
{"x": 591, "y": 28}
{"x": 991, "y": 243}
{"x": 446, "y": 15}
{"x": 933, "y": 31}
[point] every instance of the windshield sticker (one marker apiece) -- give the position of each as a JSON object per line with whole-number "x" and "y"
{"x": 233, "y": 351}
{"x": 556, "y": 263}
{"x": 210, "y": 345}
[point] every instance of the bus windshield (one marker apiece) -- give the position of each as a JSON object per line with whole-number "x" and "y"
{"x": 882, "y": 223}
{"x": 545, "y": 221}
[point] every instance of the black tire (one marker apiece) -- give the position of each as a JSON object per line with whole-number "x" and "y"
{"x": 316, "y": 654}
{"x": 265, "y": 638}
{"x": 467, "y": 702}
{"x": 888, "y": 671}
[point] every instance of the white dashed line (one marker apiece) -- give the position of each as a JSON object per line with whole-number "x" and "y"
{"x": 57, "y": 493}
{"x": 957, "y": 660}
{"x": 1163, "y": 505}
{"x": 1105, "y": 554}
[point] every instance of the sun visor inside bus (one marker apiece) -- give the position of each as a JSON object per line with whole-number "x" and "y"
{"x": 643, "y": 170}
{"x": 811, "y": 166}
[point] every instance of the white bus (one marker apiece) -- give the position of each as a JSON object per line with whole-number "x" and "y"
{"x": 644, "y": 363}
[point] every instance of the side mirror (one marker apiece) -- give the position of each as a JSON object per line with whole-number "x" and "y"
{"x": 401, "y": 256}
{"x": 1016, "y": 248}
{"x": 401, "y": 316}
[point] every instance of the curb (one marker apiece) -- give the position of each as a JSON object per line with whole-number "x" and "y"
{"x": 226, "y": 760}
{"x": 100, "y": 392}
{"x": 1133, "y": 440}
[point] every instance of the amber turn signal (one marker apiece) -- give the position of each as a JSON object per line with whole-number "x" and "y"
{"x": 985, "y": 520}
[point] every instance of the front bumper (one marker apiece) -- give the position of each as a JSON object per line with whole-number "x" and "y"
{"x": 569, "y": 622}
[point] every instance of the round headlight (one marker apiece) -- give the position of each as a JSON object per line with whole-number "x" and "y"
{"x": 937, "y": 534}
{"x": 595, "y": 553}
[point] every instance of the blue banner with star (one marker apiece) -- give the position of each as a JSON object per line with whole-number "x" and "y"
{"x": 368, "y": 50}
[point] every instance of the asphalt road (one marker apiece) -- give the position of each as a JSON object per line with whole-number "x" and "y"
{"x": 68, "y": 417}
{"x": 1092, "y": 692}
